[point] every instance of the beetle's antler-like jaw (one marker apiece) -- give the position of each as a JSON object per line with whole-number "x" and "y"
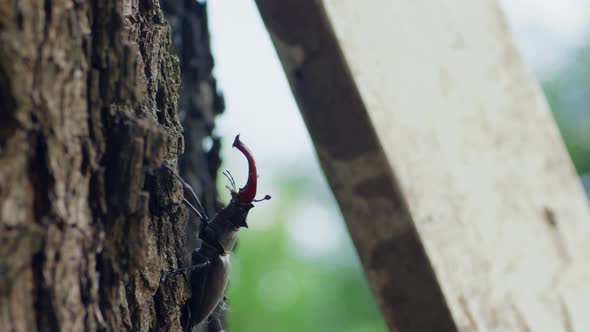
{"x": 248, "y": 192}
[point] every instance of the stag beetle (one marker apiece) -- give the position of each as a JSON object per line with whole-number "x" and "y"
{"x": 210, "y": 264}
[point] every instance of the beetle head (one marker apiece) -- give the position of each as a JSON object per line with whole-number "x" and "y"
{"x": 243, "y": 198}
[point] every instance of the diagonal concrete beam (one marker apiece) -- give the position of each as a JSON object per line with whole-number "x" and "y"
{"x": 449, "y": 170}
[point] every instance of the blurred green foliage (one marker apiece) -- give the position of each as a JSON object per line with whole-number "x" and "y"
{"x": 568, "y": 94}
{"x": 275, "y": 288}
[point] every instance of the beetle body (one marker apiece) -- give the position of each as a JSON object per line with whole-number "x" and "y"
{"x": 207, "y": 286}
{"x": 211, "y": 262}
{"x": 218, "y": 239}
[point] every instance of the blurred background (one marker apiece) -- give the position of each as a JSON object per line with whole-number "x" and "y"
{"x": 295, "y": 269}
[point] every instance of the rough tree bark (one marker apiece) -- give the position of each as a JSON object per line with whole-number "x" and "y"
{"x": 88, "y": 218}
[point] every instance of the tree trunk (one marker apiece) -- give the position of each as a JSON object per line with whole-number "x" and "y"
{"x": 89, "y": 219}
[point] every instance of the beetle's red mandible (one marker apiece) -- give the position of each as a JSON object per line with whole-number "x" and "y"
{"x": 248, "y": 192}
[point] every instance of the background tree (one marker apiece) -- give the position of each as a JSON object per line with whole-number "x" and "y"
{"x": 88, "y": 113}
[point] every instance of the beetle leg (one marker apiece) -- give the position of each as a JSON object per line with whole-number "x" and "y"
{"x": 265, "y": 198}
{"x": 192, "y": 207}
{"x": 214, "y": 321}
{"x": 184, "y": 269}
{"x": 188, "y": 188}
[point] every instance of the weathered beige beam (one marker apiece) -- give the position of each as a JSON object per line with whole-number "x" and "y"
{"x": 446, "y": 163}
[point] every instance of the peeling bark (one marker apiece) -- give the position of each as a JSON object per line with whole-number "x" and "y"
{"x": 88, "y": 218}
